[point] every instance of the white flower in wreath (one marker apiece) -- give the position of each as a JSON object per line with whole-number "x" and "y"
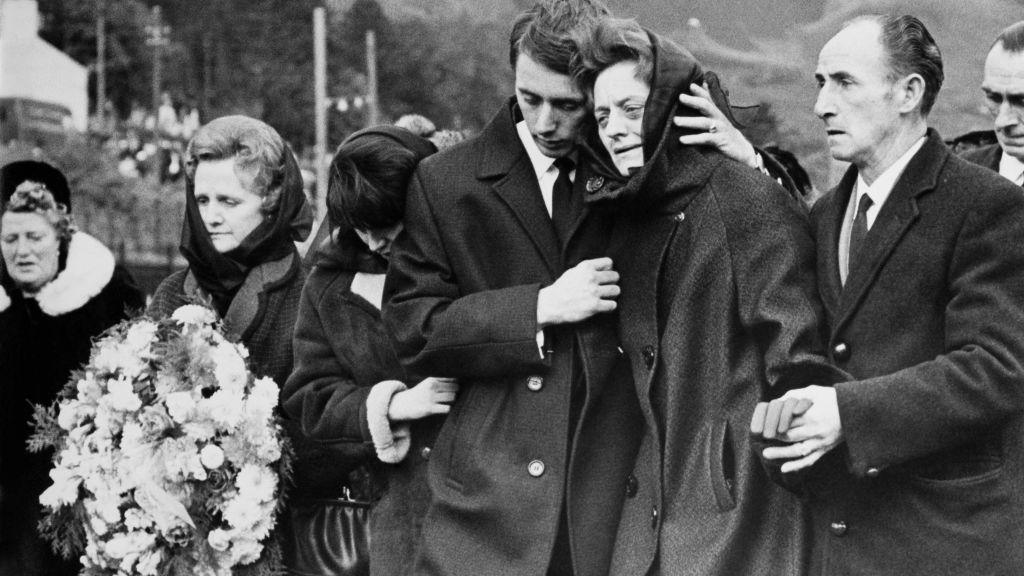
{"x": 225, "y": 407}
{"x": 89, "y": 389}
{"x": 64, "y": 489}
{"x": 140, "y": 336}
{"x": 257, "y": 483}
{"x": 262, "y": 400}
{"x": 245, "y": 550}
{"x": 229, "y": 367}
{"x": 121, "y": 395}
{"x": 149, "y": 562}
{"x": 219, "y": 539}
{"x": 180, "y": 405}
{"x": 72, "y": 413}
{"x": 137, "y": 519}
{"x": 211, "y": 456}
{"x": 193, "y": 315}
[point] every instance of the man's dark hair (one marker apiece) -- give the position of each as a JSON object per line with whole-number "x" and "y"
{"x": 546, "y": 31}
{"x": 368, "y": 178}
{"x": 911, "y": 50}
{"x": 1011, "y": 38}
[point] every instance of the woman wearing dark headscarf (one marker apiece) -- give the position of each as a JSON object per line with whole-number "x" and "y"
{"x": 244, "y": 211}
{"x": 59, "y": 288}
{"x": 718, "y": 307}
{"x": 348, "y": 390}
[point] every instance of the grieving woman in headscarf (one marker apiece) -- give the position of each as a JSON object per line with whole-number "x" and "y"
{"x": 718, "y": 309}
{"x": 349, "y": 390}
{"x": 244, "y": 211}
{"x": 59, "y": 288}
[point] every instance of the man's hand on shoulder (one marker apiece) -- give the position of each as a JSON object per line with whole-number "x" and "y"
{"x": 582, "y": 291}
{"x": 715, "y": 128}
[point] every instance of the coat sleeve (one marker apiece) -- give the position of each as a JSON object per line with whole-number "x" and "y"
{"x": 439, "y": 329}
{"x": 321, "y": 395}
{"x": 773, "y": 260}
{"x": 979, "y": 381}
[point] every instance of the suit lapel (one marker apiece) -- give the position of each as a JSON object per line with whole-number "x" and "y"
{"x": 504, "y": 161}
{"x": 896, "y": 217}
{"x": 520, "y": 191}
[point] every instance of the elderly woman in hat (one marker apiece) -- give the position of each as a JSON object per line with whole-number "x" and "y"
{"x": 59, "y": 288}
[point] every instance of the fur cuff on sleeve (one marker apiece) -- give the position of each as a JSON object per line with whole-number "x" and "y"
{"x": 391, "y": 444}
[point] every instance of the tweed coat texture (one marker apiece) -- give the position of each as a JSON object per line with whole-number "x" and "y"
{"x": 718, "y": 311}
{"x": 343, "y": 350}
{"x": 461, "y": 299}
{"x": 930, "y": 478}
{"x": 42, "y": 340}
{"x": 987, "y": 156}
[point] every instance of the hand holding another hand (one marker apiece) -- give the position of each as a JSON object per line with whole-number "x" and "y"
{"x": 807, "y": 419}
{"x": 430, "y": 397}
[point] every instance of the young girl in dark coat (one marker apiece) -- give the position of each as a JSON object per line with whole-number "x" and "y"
{"x": 348, "y": 390}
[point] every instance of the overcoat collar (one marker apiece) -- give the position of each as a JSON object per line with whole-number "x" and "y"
{"x": 249, "y": 304}
{"x": 504, "y": 161}
{"x": 895, "y": 218}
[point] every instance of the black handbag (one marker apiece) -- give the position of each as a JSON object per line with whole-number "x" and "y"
{"x": 328, "y": 537}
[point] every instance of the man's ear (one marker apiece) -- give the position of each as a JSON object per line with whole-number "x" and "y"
{"x": 910, "y": 91}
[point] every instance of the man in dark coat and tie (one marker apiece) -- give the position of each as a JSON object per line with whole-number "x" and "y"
{"x": 500, "y": 280}
{"x": 1004, "y": 98}
{"x": 915, "y": 467}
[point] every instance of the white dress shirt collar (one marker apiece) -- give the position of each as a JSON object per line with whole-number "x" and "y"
{"x": 543, "y": 166}
{"x": 1012, "y": 169}
{"x": 881, "y": 188}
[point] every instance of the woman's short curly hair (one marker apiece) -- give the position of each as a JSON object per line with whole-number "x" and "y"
{"x": 35, "y": 198}
{"x": 257, "y": 149}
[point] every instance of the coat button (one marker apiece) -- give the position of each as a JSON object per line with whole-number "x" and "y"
{"x": 535, "y": 383}
{"x": 535, "y": 468}
{"x": 631, "y": 486}
{"x": 425, "y": 453}
{"x": 648, "y": 354}
{"x": 837, "y": 528}
{"x": 872, "y": 472}
{"x": 841, "y": 351}
{"x": 654, "y": 518}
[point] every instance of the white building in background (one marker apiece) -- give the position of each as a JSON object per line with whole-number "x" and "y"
{"x": 31, "y": 68}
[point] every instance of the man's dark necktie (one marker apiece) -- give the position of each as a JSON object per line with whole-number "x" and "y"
{"x": 859, "y": 230}
{"x": 561, "y": 200}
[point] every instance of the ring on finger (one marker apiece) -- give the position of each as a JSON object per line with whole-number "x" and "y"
{"x": 713, "y": 127}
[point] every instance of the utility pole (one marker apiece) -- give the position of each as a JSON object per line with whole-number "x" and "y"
{"x": 157, "y": 36}
{"x": 101, "y": 62}
{"x": 372, "y": 105}
{"x": 320, "y": 102}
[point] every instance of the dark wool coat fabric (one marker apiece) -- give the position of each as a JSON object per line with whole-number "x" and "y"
{"x": 930, "y": 479}
{"x": 462, "y": 301}
{"x": 342, "y": 349}
{"x": 987, "y": 156}
{"x": 718, "y": 310}
{"x": 38, "y": 352}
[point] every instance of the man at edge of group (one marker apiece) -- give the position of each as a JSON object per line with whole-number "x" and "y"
{"x": 1003, "y": 86}
{"x": 921, "y": 269}
{"x": 500, "y": 280}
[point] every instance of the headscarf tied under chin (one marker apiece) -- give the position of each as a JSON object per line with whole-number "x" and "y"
{"x": 220, "y": 275}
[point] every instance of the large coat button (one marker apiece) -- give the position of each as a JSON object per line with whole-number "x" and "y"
{"x": 872, "y": 472}
{"x": 648, "y": 355}
{"x": 841, "y": 352}
{"x": 536, "y": 468}
{"x": 535, "y": 383}
{"x": 837, "y": 528}
{"x": 425, "y": 453}
{"x": 654, "y": 518}
{"x": 632, "y": 485}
